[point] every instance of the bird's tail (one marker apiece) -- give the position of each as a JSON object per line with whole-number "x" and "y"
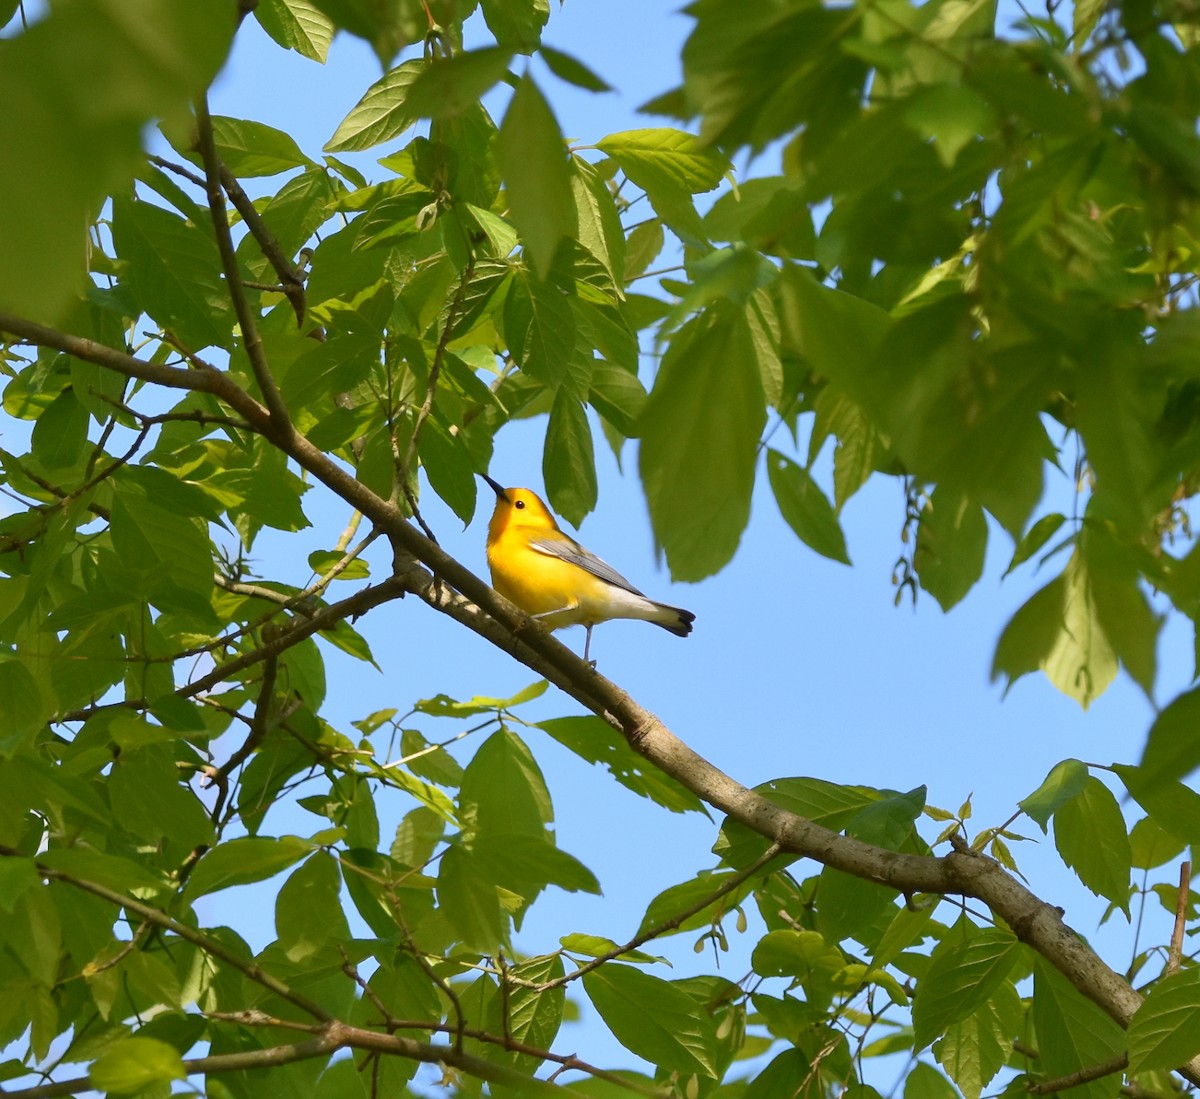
{"x": 675, "y": 619}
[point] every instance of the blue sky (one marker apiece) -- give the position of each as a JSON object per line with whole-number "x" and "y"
{"x": 797, "y": 666}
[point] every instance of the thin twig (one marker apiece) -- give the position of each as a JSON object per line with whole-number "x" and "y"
{"x": 1181, "y": 907}
{"x": 1081, "y": 1076}
{"x": 251, "y": 340}
{"x": 668, "y": 925}
{"x": 198, "y": 939}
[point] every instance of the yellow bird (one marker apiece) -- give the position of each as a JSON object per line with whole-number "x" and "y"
{"x": 552, "y": 577}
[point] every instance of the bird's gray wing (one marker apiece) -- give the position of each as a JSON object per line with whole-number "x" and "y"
{"x": 570, "y": 550}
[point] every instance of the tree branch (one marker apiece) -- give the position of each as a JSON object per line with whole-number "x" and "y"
{"x": 290, "y": 279}
{"x": 248, "y": 323}
{"x": 1081, "y": 1076}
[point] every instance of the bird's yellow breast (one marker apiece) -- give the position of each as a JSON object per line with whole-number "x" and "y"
{"x": 539, "y": 583}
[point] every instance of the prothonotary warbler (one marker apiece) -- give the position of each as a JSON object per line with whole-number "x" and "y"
{"x": 552, "y": 577}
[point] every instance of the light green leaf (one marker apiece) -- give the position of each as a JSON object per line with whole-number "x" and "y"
{"x": 670, "y": 166}
{"x": 297, "y": 25}
{"x": 653, "y": 1019}
{"x": 974, "y": 1049}
{"x": 598, "y": 224}
{"x": 805, "y": 508}
{"x": 532, "y": 158}
{"x": 134, "y": 1064}
{"x": 381, "y": 114}
{"x": 1064, "y": 782}
{"x": 1089, "y": 832}
{"x": 16, "y": 875}
{"x": 675, "y": 899}
{"x": 467, "y": 895}
{"x": 700, "y": 434}
{"x": 1151, "y": 845}
{"x": 1035, "y": 538}
{"x": 568, "y": 461}
{"x": 1164, "y": 1032}
{"x": 251, "y": 148}
{"x": 449, "y": 467}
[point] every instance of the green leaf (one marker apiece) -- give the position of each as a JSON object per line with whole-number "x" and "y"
{"x": 251, "y": 148}
{"x": 1073, "y": 1033}
{"x": 803, "y": 955}
{"x": 467, "y": 895}
{"x": 951, "y": 546}
{"x": 297, "y": 25}
{"x": 1151, "y": 845}
{"x": 244, "y": 860}
{"x": 1035, "y": 538}
{"x": 16, "y": 876}
{"x": 572, "y": 70}
{"x": 516, "y": 24}
{"x": 448, "y": 86}
{"x": 653, "y": 1019}
{"x": 25, "y": 708}
{"x": 1173, "y": 747}
{"x": 568, "y": 461}
{"x": 539, "y": 328}
{"x": 1089, "y": 832}
{"x": 1064, "y": 782}
{"x": 532, "y": 158}
{"x": 1164, "y": 1032}
{"x": 1174, "y": 807}
{"x": 597, "y": 742}
{"x": 308, "y": 908}
{"x": 965, "y": 968}
{"x": 925, "y": 1082}
{"x": 504, "y": 790}
{"x": 805, "y": 508}
{"x": 598, "y": 223}
{"x": 787, "y": 1074}
{"x": 449, "y": 467}
{"x": 700, "y": 434}
{"x": 321, "y": 561}
{"x": 134, "y": 1064}
{"x": 673, "y": 900}
{"x": 60, "y": 434}
{"x": 382, "y": 114}
{"x": 175, "y": 272}
{"x": 78, "y": 134}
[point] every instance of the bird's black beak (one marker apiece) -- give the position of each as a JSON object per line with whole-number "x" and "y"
{"x": 497, "y": 488}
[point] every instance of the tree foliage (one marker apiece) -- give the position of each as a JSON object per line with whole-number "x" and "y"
{"x": 973, "y": 271}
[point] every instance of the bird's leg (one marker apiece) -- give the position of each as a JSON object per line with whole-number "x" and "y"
{"x": 587, "y": 644}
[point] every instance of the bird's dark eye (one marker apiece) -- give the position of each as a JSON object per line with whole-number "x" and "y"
{"x": 520, "y": 505}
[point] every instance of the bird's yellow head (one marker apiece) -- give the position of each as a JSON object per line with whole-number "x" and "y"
{"x": 517, "y": 507}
